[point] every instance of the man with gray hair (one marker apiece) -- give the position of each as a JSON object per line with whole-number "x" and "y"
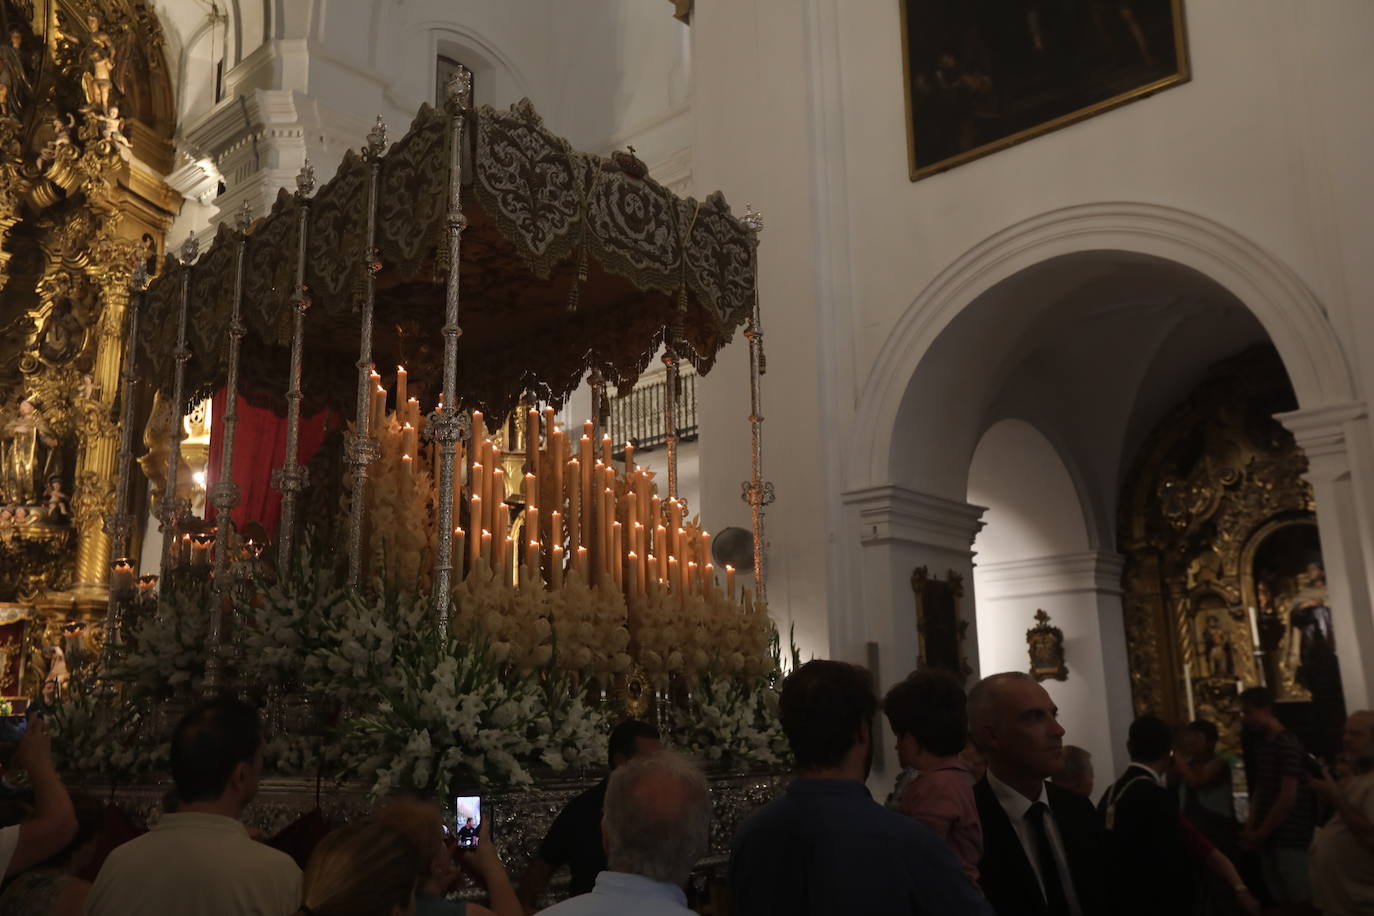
{"x": 656, "y": 826}
{"x": 1041, "y": 843}
{"x": 1343, "y": 852}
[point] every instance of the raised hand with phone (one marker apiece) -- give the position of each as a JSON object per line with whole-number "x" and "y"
{"x": 54, "y": 821}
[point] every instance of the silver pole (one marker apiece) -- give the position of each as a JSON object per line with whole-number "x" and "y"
{"x": 172, "y": 509}
{"x": 670, "y": 361}
{"x": 449, "y": 425}
{"x": 363, "y": 447}
{"x": 758, "y": 493}
{"x": 224, "y": 495}
{"x": 119, "y": 524}
{"x": 290, "y": 479}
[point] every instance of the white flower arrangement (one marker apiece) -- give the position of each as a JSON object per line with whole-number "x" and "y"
{"x": 93, "y": 736}
{"x": 734, "y": 723}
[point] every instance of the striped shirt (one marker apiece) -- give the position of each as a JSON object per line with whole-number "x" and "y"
{"x": 1280, "y": 757}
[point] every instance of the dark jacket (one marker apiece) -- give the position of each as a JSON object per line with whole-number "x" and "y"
{"x": 1147, "y": 861}
{"x": 1006, "y": 874}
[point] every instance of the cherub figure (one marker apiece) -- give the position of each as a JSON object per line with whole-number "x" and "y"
{"x": 112, "y": 127}
{"x": 58, "y": 503}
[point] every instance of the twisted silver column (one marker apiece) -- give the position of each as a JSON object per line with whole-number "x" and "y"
{"x": 173, "y": 510}
{"x": 448, "y": 425}
{"x": 757, "y": 492}
{"x": 291, "y": 478}
{"x": 363, "y": 447}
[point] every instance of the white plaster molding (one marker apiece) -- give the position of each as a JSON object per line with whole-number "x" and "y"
{"x": 890, "y": 513}
{"x": 195, "y": 179}
{"x": 1322, "y": 433}
{"x": 675, "y": 172}
{"x": 1096, "y": 571}
{"x": 1289, "y": 311}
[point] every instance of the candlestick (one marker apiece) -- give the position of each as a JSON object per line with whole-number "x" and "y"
{"x": 400, "y": 388}
{"x": 184, "y": 550}
{"x": 556, "y": 567}
{"x": 122, "y": 574}
{"x": 1188, "y": 689}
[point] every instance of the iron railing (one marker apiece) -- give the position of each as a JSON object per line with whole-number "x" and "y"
{"x": 638, "y": 416}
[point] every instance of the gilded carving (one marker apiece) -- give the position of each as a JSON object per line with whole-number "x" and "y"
{"x": 1213, "y": 484}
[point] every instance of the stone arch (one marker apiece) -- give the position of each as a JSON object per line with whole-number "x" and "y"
{"x": 1283, "y": 304}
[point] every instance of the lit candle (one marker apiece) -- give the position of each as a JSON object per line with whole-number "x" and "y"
{"x": 617, "y": 552}
{"x": 410, "y": 439}
{"x": 122, "y": 574}
{"x": 400, "y": 387}
{"x": 582, "y": 563}
{"x": 730, "y": 581}
{"x": 705, "y": 547}
{"x": 556, "y": 527}
{"x": 606, "y": 449}
{"x": 557, "y": 566}
{"x": 693, "y": 577}
{"x": 474, "y": 521}
{"x": 635, "y": 571}
{"x": 532, "y": 524}
{"x": 491, "y": 503}
{"x": 374, "y": 385}
{"x": 709, "y": 578}
{"x": 1188, "y": 689}
{"x": 184, "y": 546}
{"x": 531, "y": 490}
{"x": 574, "y": 505}
{"x": 629, "y": 460}
{"x": 1254, "y": 629}
{"x": 674, "y": 575}
{"x": 459, "y": 552}
{"x": 532, "y": 559}
{"x": 508, "y": 562}
{"x": 661, "y": 545}
{"x": 413, "y": 411}
{"x": 408, "y": 465}
{"x": 486, "y": 547}
{"x": 532, "y": 441}
{"x": 584, "y": 467}
{"x": 555, "y": 470}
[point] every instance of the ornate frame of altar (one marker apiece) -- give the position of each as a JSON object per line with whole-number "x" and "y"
{"x": 452, "y": 574}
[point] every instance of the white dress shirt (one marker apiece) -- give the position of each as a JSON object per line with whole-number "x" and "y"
{"x": 619, "y": 893}
{"x": 1017, "y": 806}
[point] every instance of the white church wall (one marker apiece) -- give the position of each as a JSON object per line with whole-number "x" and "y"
{"x": 1033, "y": 554}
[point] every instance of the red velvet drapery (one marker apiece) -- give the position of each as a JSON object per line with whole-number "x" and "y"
{"x": 259, "y": 449}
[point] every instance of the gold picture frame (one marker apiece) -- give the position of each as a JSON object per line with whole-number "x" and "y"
{"x": 981, "y": 78}
{"x": 1045, "y": 644}
{"x": 940, "y": 631}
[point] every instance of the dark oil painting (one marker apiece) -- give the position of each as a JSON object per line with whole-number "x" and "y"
{"x": 985, "y": 74}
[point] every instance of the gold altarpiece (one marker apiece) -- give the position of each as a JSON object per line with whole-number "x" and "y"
{"x": 1224, "y": 583}
{"x": 86, "y": 120}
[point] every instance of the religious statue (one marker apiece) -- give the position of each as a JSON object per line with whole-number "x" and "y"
{"x": 100, "y": 76}
{"x": 1216, "y": 644}
{"x": 58, "y": 675}
{"x": 14, "y": 79}
{"x": 58, "y": 504}
{"x": 62, "y": 136}
{"x": 112, "y": 127}
{"x": 29, "y": 455}
{"x": 1313, "y": 648}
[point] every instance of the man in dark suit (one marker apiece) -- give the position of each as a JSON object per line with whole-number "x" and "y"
{"x": 1148, "y": 864}
{"x": 1041, "y": 843}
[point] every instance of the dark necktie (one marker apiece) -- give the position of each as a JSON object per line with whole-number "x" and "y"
{"x": 1056, "y": 902}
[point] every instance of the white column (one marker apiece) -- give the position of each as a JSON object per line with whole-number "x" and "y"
{"x": 900, "y": 530}
{"x": 1082, "y": 594}
{"x": 1340, "y": 467}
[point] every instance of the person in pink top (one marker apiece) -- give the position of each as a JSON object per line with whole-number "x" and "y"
{"x": 929, "y": 715}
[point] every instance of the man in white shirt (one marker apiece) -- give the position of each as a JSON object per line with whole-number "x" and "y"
{"x": 1041, "y": 843}
{"x": 54, "y": 822}
{"x": 200, "y": 861}
{"x": 656, "y": 826}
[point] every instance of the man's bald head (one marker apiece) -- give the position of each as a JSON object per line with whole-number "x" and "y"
{"x": 1015, "y": 723}
{"x": 657, "y": 817}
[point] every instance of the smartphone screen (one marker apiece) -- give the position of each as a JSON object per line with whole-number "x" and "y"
{"x": 467, "y": 811}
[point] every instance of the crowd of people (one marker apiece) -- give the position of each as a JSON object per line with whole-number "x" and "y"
{"x": 993, "y": 814}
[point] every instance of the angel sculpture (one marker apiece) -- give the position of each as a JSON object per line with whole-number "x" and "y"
{"x": 112, "y": 127}
{"x": 103, "y": 73}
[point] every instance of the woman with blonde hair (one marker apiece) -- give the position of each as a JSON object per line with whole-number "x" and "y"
{"x": 367, "y": 868}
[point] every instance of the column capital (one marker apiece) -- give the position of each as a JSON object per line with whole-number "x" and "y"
{"x": 895, "y": 514}
{"x": 1322, "y": 433}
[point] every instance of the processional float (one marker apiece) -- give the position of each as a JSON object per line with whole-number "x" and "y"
{"x": 537, "y": 267}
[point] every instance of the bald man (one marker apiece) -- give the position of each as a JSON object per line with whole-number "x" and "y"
{"x": 1041, "y": 843}
{"x": 1343, "y": 852}
{"x": 656, "y": 826}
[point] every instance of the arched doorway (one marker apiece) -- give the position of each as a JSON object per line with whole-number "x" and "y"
{"x": 1089, "y": 325}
